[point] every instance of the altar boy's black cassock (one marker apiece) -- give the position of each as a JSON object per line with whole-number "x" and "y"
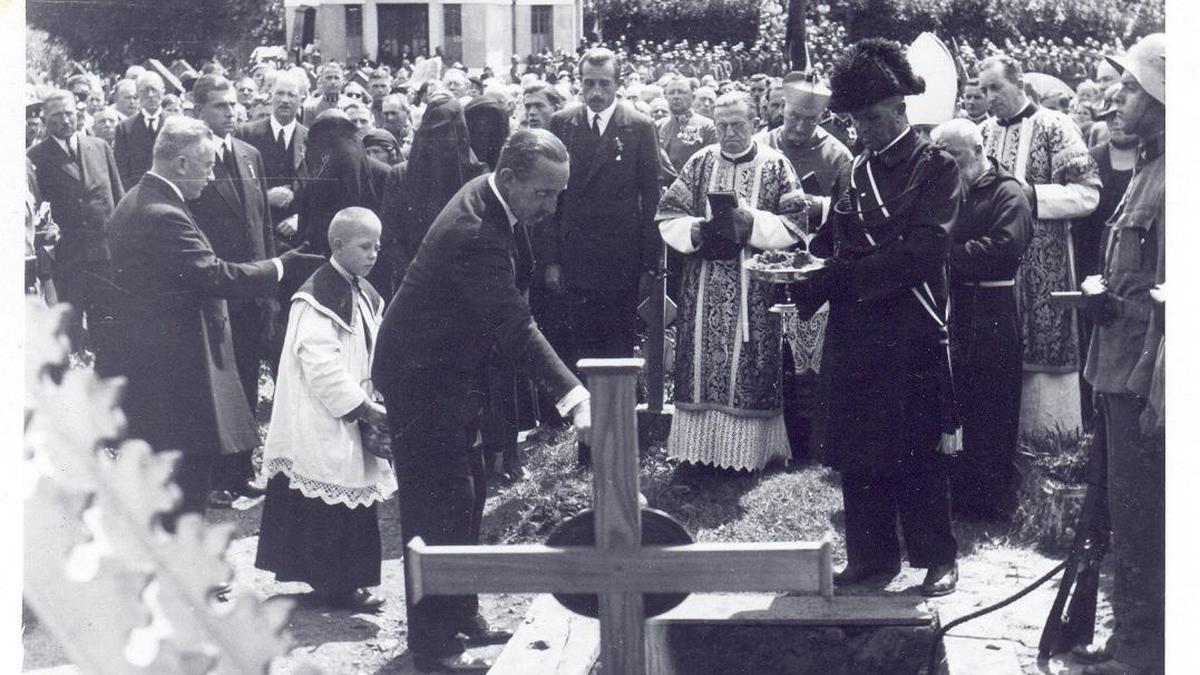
{"x": 885, "y": 394}
{"x": 458, "y": 307}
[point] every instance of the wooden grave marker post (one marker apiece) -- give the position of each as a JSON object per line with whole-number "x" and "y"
{"x": 658, "y": 311}
{"x": 619, "y": 568}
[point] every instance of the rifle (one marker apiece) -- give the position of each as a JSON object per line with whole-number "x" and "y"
{"x": 1081, "y": 578}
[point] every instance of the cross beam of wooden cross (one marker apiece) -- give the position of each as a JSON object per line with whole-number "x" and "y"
{"x": 619, "y": 568}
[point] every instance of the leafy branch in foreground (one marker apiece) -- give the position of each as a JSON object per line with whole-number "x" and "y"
{"x": 120, "y": 593}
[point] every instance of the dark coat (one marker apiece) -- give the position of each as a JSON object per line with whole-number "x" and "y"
{"x": 133, "y": 148}
{"x": 885, "y": 389}
{"x": 459, "y": 305}
{"x": 604, "y": 234}
{"x": 82, "y": 196}
{"x": 282, "y": 168}
{"x": 234, "y": 214}
{"x": 235, "y": 217}
{"x": 992, "y": 230}
{"x": 171, "y": 327}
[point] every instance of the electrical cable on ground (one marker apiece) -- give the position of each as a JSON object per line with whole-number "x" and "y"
{"x": 937, "y": 638}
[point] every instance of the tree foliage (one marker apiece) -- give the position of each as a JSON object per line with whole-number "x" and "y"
{"x": 114, "y": 33}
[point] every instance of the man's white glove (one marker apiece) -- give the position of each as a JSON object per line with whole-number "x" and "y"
{"x": 951, "y": 444}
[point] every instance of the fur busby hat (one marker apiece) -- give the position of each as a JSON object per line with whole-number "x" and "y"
{"x": 870, "y": 71}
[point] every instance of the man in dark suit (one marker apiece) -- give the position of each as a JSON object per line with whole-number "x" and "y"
{"x": 459, "y": 309}
{"x": 280, "y": 141}
{"x": 134, "y": 143}
{"x": 603, "y": 246}
{"x": 169, "y": 318}
{"x": 232, "y": 212}
{"x": 78, "y": 176}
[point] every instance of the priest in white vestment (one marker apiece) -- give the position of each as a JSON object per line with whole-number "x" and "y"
{"x": 1044, "y": 150}
{"x": 727, "y": 371}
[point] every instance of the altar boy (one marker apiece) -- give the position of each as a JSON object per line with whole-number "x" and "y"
{"x": 319, "y": 523}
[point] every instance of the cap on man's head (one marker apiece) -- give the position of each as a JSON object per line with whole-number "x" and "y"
{"x": 802, "y": 93}
{"x": 871, "y": 71}
{"x": 1146, "y": 61}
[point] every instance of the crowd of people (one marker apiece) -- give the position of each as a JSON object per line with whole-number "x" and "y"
{"x": 426, "y": 251}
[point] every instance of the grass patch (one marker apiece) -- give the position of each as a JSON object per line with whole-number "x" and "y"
{"x": 792, "y": 503}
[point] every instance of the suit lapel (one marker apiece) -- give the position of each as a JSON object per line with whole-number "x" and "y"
{"x": 608, "y": 144}
{"x": 225, "y": 187}
{"x": 297, "y": 148}
{"x": 68, "y": 165}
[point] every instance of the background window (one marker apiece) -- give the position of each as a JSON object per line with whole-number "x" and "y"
{"x": 541, "y": 28}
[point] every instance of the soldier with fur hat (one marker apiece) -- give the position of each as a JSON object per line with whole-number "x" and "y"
{"x": 888, "y": 419}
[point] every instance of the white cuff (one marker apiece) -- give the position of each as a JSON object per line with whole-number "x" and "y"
{"x": 573, "y": 398}
{"x": 677, "y": 233}
{"x": 770, "y": 231}
{"x": 1058, "y": 202}
{"x": 278, "y": 269}
{"x": 824, "y": 206}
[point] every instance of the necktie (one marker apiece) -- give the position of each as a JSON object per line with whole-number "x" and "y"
{"x": 230, "y": 161}
{"x": 596, "y": 125}
{"x": 152, "y": 124}
{"x": 282, "y": 143}
{"x": 71, "y": 151}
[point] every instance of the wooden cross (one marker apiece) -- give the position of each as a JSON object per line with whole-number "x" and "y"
{"x": 619, "y": 568}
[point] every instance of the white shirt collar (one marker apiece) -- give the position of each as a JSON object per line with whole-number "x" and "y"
{"x": 168, "y": 182}
{"x": 288, "y": 129}
{"x": 894, "y": 141}
{"x": 226, "y": 146}
{"x": 148, "y": 116}
{"x": 341, "y": 270}
{"x": 67, "y": 144}
{"x": 605, "y": 116}
{"x": 512, "y": 217}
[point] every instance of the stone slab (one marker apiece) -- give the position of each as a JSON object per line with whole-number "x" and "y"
{"x": 778, "y": 635}
{"x": 552, "y": 640}
{"x": 759, "y": 634}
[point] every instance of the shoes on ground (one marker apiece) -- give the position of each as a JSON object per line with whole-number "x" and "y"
{"x": 220, "y": 499}
{"x": 358, "y": 600}
{"x": 860, "y": 574}
{"x": 451, "y": 663}
{"x": 940, "y": 580}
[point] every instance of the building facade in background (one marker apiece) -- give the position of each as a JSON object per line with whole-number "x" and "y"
{"x": 476, "y": 33}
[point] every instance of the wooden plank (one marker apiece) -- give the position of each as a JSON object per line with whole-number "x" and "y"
{"x": 615, "y": 470}
{"x": 846, "y": 610}
{"x": 614, "y": 455}
{"x": 534, "y": 568}
{"x": 622, "y": 645}
{"x": 552, "y": 641}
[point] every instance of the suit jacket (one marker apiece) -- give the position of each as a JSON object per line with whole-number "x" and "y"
{"x": 168, "y": 331}
{"x": 233, "y": 214}
{"x": 460, "y": 306}
{"x": 134, "y": 147}
{"x": 82, "y": 195}
{"x": 282, "y": 168}
{"x": 682, "y": 141}
{"x": 604, "y": 234}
